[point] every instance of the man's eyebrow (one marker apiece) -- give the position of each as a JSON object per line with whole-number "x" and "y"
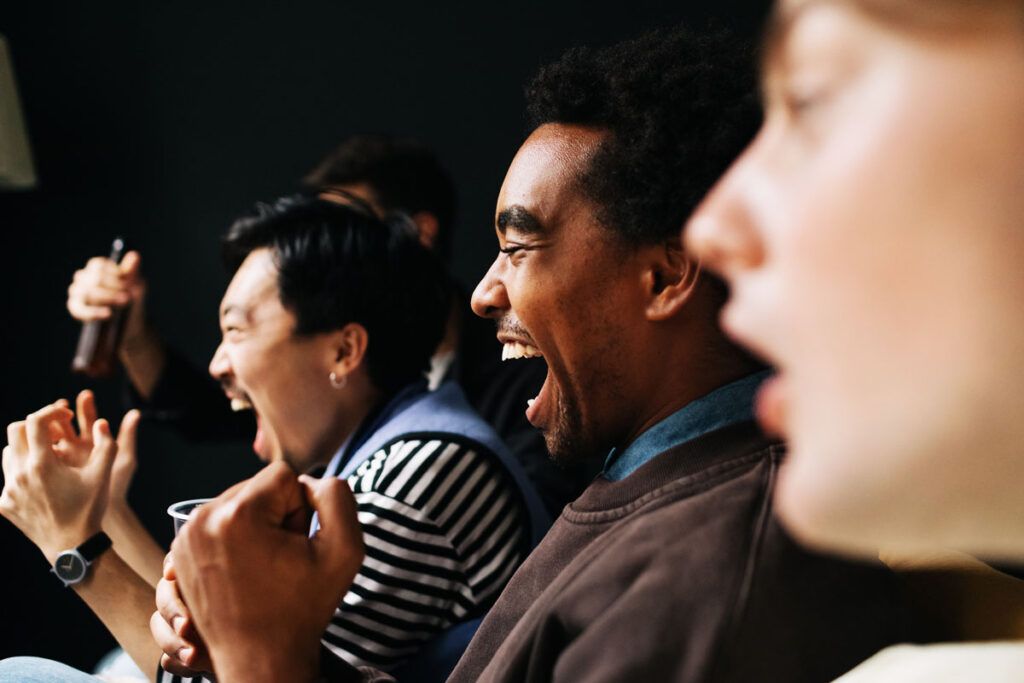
{"x": 520, "y": 220}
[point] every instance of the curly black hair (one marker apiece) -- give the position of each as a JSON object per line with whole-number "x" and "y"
{"x": 678, "y": 107}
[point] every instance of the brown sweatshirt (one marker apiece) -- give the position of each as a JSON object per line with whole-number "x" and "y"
{"x": 680, "y": 572}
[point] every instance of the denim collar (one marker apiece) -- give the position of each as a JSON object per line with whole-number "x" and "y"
{"x": 724, "y": 406}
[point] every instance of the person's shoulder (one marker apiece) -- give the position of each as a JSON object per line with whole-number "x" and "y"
{"x": 995, "y": 662}
{"x": 425, "y": 470}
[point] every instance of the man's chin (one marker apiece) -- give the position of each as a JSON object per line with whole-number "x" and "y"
{"x": 566, "y": 438}
{"x": 565, "y": 448}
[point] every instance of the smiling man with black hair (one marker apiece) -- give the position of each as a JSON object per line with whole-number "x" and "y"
{"x": 671, "y": 565}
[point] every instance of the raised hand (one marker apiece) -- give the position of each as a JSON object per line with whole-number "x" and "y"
{"x": 259, "y": 589}
{"x": 58, "y": 505}
{"x": 103, "y": 286}
{"x": 173, "y": 629}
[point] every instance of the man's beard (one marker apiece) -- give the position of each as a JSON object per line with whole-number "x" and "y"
{"x": 566, "y": 439}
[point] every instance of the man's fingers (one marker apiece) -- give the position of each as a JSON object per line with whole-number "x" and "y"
{"x": 37, "y": 426}
{"x": 171, "y": 607}
{"x": 17, "y": 438}
{"x": 169, "y": 572}
{"x": 104, "y": 449}
{"x": 7, "y": 465}
{"x": 234, "y": 491}
{"x": 181, "y": 657}
{"x": 104, "y": 296}
{"x": 175, "y": 667}
{"x": 276, "y": 491}
{"x": 340, "y": 538}
{"x": 100, "y": 264}
{"x": 85, "y": 410}
{"x": 61, "y": 427}
{"x": 86, "y": 313}
{"x": 130, "y": 265}
{"x": 213, "y": 507}
{"x": 106, "y": 278}
{"x": 166, "y": 636}
{"x": 126, "y": 435}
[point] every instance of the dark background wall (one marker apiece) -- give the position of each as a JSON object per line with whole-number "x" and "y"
{"x": 161, "y": 121}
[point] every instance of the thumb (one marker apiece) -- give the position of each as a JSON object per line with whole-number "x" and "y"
{"x": 131, "y": 265}
{"x": 103, "y": 451}
{"x": 339, "y": 541}
{"x": 131, "y": 272}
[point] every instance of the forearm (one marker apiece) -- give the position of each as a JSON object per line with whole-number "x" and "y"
{"x": 133, "y": 543}
{"x": 144, "y": 358}
{"x": 124, "y": 603}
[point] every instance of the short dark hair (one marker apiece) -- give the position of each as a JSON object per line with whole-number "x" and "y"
{"x": 678, "y": 108}
{"x": 337, "y": 265}
{"x": 405, "y": 176}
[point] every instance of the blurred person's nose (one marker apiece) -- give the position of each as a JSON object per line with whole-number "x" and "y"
{"x": 721, "y": 232}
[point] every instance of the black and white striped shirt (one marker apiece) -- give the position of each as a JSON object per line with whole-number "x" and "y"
{"x": 444, "y": 528}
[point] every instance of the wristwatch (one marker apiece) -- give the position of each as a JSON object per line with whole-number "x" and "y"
{"x": 72, "y": 565}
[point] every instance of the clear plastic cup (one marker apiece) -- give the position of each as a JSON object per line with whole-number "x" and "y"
{"x": 180, "y": 512}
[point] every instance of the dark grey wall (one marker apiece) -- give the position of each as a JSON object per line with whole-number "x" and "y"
{"x": 160, "y": 121}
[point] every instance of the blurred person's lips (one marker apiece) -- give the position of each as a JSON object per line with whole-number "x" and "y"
{"x": 770, "y": 406}
{"x": 771, "y": 403}
{"x": 730, "y": 321}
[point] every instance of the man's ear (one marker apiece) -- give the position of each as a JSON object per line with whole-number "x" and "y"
{"x": 670, "y": 280}
{"x": 349, "y": 348}
{"x": 427, "y": 225}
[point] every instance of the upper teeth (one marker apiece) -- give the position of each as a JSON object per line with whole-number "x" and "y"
{"x": 513, "y": 350}
{"x": 239, "y": 404}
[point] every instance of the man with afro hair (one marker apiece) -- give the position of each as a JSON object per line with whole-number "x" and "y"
{"x": 671, "y": 566}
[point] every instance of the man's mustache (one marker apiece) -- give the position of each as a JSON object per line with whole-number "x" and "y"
{"x": 511, "y": 326}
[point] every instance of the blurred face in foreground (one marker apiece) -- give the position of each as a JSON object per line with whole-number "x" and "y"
{"x": 873, "y": 238}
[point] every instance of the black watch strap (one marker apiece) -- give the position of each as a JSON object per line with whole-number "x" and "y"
{"x": 97, "y": 544}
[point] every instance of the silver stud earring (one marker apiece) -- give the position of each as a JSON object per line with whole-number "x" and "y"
{"x": 337, "y": 382}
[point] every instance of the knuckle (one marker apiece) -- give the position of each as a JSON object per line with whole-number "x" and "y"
{"x": 227, "y": 517}
{"x": 35, "y": 471}
{"x": 331, "y": 484}
{"x": 156, "y": 621}
{"x": 279, "y": 473}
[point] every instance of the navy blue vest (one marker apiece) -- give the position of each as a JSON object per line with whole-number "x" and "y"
{"x": 443, "y": 413}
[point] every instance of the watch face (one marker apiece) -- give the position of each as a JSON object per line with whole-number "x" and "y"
{"x": 70, "y": 567}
